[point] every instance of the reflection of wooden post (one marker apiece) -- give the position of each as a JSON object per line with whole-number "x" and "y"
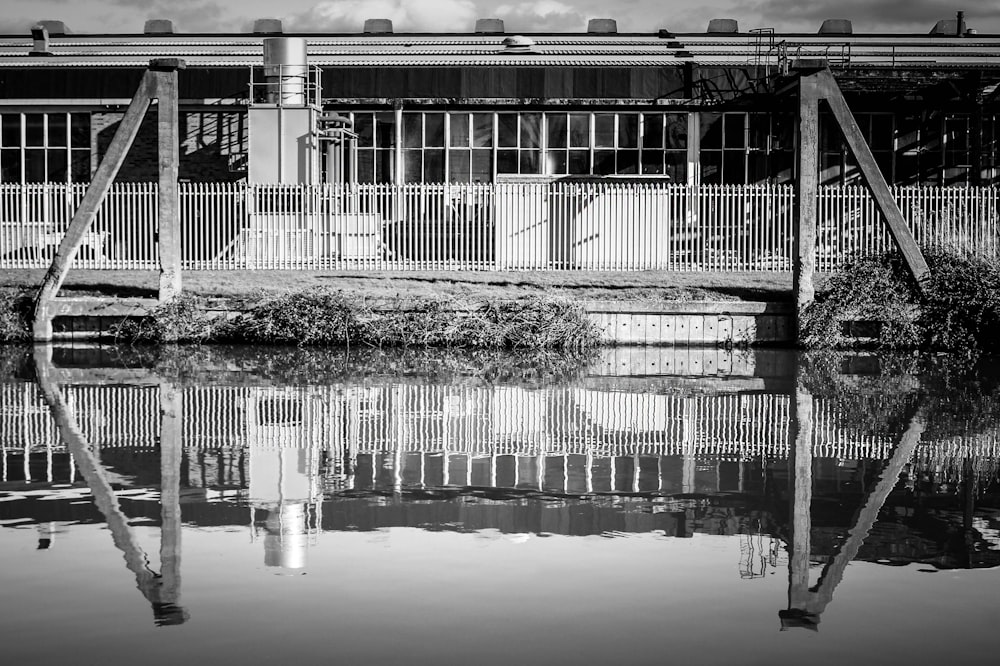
{"x": 161, "y": 593}
{"x": 800, "y": 477}
{"x": 171, "y": 454}
{"x": 805, "y": 605}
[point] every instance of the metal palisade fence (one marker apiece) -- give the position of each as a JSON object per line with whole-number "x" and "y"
{"x": 592, "y": 225}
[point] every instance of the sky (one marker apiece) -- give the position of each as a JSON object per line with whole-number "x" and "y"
{"x": 128, "y": 16}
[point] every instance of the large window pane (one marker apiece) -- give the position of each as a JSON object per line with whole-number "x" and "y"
{"x": 34, "y": 129}
{"x": 434, "y": 129}
{"x": 364, "y": 127}
{"x": 557, "y": 162}
{"x": 628, "y": 130}
{"x": 711, "y": 130}
{"x": 579, "y": 162}
{"x": 385, "y": 130}
{"x": 10, "y": 165}
{"x": 531, "y": 161}
{"x": 459, "y": 130}
{"x": 579, "y": 130}
{"x": 10, "y": 136}
{"x": 628, "y": 161}
{"x": 652, "y": 161}
{"x": 676, "y": 166}
{"x": 80, "y": 166}
{"x": 58, "y": 130}
{"x": 366, "y": 166}
{"x": 604, "y": 130}
{"x": 555, "y": 130}
{"x": 531, "y": 130}
{"x": 413, "y": 167}
{"x": 652, "y": 131}
{"x": 34, "y": 166}
{"x": 413, "y": 133}
{"x": 80, "y": 130}
{"x": 482, "y": 166}
{"x": 676, "y": 131}
{"x": 506, "y": 161}
{"x": 482, "y": 130}
{"x": 604, "y": 162}
{"x": 507, "y": 130}
{"x": 57, "y": 166}
{"x": 434, "y": 166}
{"x": 458, "y": 165}
{"x": 735, "y": 127}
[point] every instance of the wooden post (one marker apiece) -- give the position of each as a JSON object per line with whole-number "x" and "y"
{"x": 807, "y": 186}
{"x": 164, "y": 72}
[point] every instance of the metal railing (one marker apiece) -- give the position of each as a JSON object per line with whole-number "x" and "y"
{"x": 603, "y": 226}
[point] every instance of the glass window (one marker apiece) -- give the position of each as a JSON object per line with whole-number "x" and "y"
{"x": 10, "y": 136}
{"x": 80, "y": 130}
{"x": 459, "y": 130}
{"x": 34, "y": 129}
{"x": 507, "y": 130}
{"x": 413, "y": 130}
{"x": 531, "y": 130}
{"x": 579, "y": 130}
{"x": 556, "y": 130}
{"x": 628, "y": 130}
{"x": 604, "y": 130}
{"x": 482, "y": 130}
{"x": 58, "y": 130}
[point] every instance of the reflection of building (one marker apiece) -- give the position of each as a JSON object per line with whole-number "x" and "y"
{"x": 284, "y": 493}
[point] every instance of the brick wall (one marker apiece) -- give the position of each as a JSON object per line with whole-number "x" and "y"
{"x": 213, "y": 145}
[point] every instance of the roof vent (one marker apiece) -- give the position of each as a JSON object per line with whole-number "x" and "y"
{"x": 55, "y": 27}
{"x": 602, "y": 26}
{"x": 267, "y": 26}
{"x": 158, "y": 27}
{"x": 378, "y": 26}
{"x": 723, "y": 25}
{"x": 40, "y": 35}
{"x": 518, "y": 44}
{"x": 836, "y": 27}
{"x": 489, "y": 25}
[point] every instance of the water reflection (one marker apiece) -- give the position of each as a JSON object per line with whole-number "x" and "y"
{"x": 759, "y": 447}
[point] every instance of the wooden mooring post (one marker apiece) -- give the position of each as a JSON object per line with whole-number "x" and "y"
{"x": 160, "y": 83}
{"x": 815, "y": 86}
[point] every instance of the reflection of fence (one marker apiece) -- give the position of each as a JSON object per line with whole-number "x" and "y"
{"x": 593, "y": 225}
{"x": 477, "y": 421}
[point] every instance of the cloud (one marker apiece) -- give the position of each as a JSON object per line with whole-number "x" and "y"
{"x": 406, "y": 15}
{"x": 541, "y": 16}
{"x": 892, "y": 16}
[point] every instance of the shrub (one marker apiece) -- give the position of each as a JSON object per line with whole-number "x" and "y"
{"x": 182, "y": 319}
{"x": 15, "y": 315}
{"x": 312, "y": 317}
{"x": 957, "y": 310}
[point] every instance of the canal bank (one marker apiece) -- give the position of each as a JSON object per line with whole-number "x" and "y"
{"x": 637, "y": 308}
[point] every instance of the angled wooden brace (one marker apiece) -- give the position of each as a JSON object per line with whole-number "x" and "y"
{"x": 159, "y": 82}
{"x": 813, "y": 87}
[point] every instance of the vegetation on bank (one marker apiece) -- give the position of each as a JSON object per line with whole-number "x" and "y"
{"x": 958, "y": 309}
{"x": 328, "y": 317}
{"x": 15, "y": 315}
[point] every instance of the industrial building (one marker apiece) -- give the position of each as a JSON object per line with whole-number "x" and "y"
{"x": 489, "y": 150}
{"x": 486, "y": 105}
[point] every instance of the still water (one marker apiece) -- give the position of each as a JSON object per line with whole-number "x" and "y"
{"x": 240, "y": 505}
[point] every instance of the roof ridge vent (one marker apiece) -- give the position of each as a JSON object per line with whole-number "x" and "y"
{"x": 518, "y": 44}
{"x": 158, "y": 27}
{"x": 723, "y": 25}
{"x": 268, "y": 26}
{"x": 40, "y": 35}
{"x": 378, "y": 26}
{"x": 602, "y": 26}
{"x": 836, "y": 27}
{"x": 54, "y": 27}
{"x": 489, "y": 25}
